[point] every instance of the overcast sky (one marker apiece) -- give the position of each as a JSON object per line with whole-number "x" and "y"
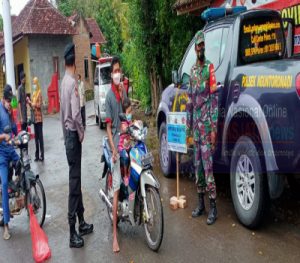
{"x": 16, "y": 6}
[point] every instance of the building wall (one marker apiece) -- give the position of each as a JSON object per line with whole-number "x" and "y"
{"x": 42, "y": 50}
{"x": 21, "y": 56}
{"x": 83, "y": 50}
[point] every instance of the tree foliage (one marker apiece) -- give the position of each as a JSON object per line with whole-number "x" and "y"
{"x": 1, "y": 23}
{"x": 158, "y": 40}
{"x": 148, "y": 36}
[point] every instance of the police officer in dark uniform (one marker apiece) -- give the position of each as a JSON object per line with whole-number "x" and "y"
{"x": 73, "y": 134}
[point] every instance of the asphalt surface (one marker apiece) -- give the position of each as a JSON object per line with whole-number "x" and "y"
{"x": 185, "y": 239}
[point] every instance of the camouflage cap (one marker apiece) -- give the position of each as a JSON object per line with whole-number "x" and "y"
{"x": 199, "y": 37}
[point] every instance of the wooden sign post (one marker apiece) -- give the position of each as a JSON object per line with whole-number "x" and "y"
{"x": 176, "y": 137}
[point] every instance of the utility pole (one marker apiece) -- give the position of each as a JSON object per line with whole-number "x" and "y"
{"x": 9, "y": 53}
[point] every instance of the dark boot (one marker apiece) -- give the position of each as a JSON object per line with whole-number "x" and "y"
{"x": 84, "y": 228}
{"x": 75, "y": 240}
{"x": 200, "y": 209}
{"x": 212, "y": 214}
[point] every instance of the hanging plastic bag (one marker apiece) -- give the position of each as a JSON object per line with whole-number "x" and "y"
{"x": 40, "y": 247}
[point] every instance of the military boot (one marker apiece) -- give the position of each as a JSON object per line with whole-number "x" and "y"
{"x": 212, "y": 214}
{"x": 84, "y": 228}
{"x": 200, "y": 209}
{"x": 75, "y": 240}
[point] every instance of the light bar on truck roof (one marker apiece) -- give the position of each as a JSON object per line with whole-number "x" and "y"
{"x": 219, "y": 12}
{"x": 104, "y": 60}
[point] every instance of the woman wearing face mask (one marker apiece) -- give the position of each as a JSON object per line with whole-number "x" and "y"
{"x": 36, "y": 105}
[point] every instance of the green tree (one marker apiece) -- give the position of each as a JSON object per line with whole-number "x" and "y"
{"x": 1, "y": 23}
{"x": 108, "y": 19}
{"x": 158, "y": 39}
{"x": 148, "y": 36}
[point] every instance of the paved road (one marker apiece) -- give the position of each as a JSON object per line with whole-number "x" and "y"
{"x": 185, "y": 239}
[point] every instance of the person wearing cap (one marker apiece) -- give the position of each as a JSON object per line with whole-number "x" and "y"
{"x": 22, "y": 102}
{"x": 7, "y": 153}
{"x": 73, "y": 135}
{"x": 36, "y": 106}
{"x": 202, "y": 115}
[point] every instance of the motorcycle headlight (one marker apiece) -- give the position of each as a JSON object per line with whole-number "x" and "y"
{"x": 25, "y": 138}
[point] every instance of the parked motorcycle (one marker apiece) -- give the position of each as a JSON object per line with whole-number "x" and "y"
{"x": 24, "y": 187}
{"x": 140, "y": 202}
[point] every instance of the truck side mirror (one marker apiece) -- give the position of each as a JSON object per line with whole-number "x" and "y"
{"x": 290, "y": 31}
{"x": 96, "y": 82}
{"x": 175, "y": 77}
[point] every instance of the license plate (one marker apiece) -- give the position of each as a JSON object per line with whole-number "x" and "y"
{"x": 147, "y": 159}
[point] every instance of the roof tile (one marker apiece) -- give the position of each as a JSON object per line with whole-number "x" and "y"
{"x": 41, "y": 17}
{"x": 96, "y": 32}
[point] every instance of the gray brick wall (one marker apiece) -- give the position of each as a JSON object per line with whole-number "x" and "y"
{"x": 42, "y": 49}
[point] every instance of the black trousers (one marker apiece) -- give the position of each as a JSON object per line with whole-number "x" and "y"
{"x": 83, "y": 116}
{"x": 39, "y": 140}
{"x": 24, "y": 126}
{"x": 73, "y": 151}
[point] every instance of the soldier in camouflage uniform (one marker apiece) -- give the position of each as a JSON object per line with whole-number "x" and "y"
{"x": 202, "y": 112}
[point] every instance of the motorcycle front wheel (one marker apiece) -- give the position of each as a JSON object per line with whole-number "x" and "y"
{"x": 37, "y": 198}
{"x": 109, "y": 193}
{"x": 154, "y": 228}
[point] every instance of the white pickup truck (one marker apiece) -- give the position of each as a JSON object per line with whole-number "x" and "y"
{"x": 102, "y": 84}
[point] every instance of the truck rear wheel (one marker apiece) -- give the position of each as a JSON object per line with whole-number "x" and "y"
{"x": 247, "y": 181}
{"x": 166, "y": 157}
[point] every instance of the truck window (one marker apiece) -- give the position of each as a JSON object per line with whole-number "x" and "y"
{"x": 213, "y": 42}
{"x": 189, "y": 61}
{"x": 215, "y": 46}
{"x": 261, "y": 39}
{"x": 105, "y": 76}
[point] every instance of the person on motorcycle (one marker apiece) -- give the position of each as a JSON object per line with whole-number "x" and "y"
{"x": 124, "y": 143}
{"x": 7, "y": 153}
{"x": 113, "y": 106}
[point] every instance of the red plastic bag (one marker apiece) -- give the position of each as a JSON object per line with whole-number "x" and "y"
{"x": 40, "y": 247}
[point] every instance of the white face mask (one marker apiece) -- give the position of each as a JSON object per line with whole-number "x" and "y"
{"x": 34, "y": 87}
{"x": 116, "y": 78}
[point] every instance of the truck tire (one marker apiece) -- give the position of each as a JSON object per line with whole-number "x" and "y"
{"x": 166, "y": 157}
{"x": 294, "y": 183}
{"x": 247, "y": 181}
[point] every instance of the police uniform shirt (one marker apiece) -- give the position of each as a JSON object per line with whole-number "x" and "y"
{"x": 70, "y": 106}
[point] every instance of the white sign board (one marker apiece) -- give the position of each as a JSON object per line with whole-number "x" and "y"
{"x": 176, "y": 132}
